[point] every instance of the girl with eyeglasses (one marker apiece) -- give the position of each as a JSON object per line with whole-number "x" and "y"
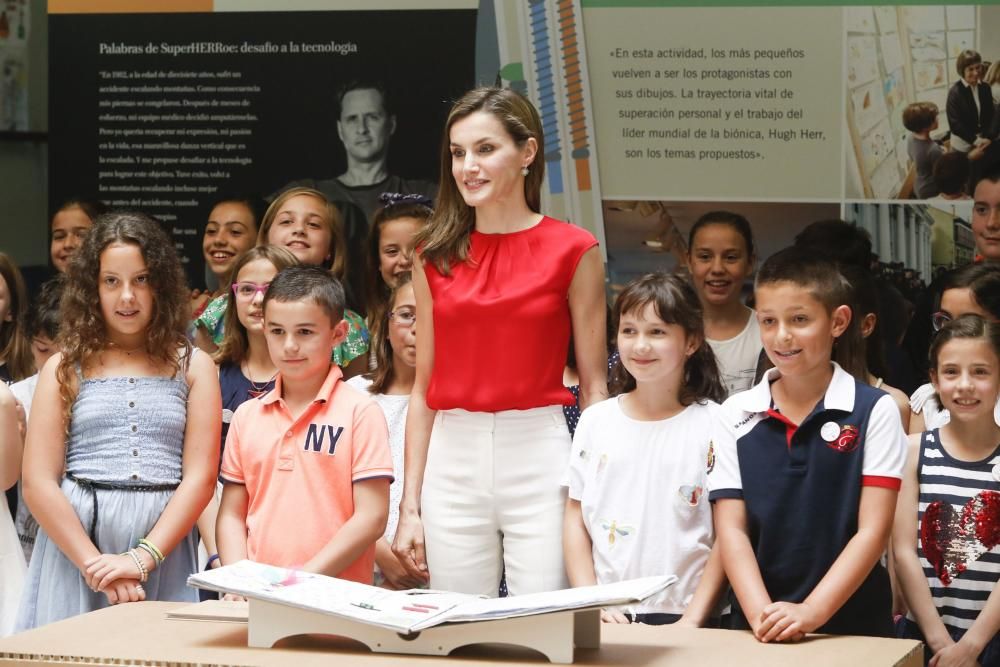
{"x": 970, "y": 290}
{"x": 245, "y": 367}
{"x": 394, "y": 346}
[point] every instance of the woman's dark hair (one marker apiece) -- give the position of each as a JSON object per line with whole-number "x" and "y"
{"x": 381, "y": 347}
{"x": 965, "y": 59}
{"x": 675, "y": 302}
{"x": 968, "y": 326}
{"x": 15, "y": 347}
{"x": 728, "y": 218}
{"x": 983, "y": 280}
{"x": 84, "y": 335}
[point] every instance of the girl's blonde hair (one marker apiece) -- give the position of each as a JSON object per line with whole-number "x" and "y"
{"x": 235, "y": 344}
{"x": 338, "y": 247}
{"x": 15, "y": 347}
{"x": 445, "y": 240}
{"x": 993, "y": 73}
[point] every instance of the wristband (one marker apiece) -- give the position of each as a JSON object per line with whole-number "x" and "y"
{"x": 212, "y": 559}
{"x": 156, "y": 553}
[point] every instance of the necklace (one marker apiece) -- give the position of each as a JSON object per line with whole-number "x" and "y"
{"x": 256, "y": 390}
{"x": 127, "y": 350}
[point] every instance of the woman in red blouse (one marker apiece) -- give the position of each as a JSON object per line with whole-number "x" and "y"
{"x": 499, "y": 289}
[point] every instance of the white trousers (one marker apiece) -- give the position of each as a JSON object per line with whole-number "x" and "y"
{"x": 492, "y": 498}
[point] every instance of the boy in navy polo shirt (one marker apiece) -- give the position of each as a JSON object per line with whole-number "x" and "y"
{"x": 805, "y": 483}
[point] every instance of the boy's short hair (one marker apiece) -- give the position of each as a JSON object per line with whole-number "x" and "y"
{"x": 43, "y": 316}
{"x": 810, "y": 270}
{"x": 951, "y": 173}
{"x": 837, "y": 240}
{"x": 308, "y": 283}
{"x": 991, "y": 174}
{"x": 821, "y": 276}
{"x": 919, "y": 116}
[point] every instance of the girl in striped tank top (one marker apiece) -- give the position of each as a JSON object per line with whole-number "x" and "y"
{"x": 946, "y": 535}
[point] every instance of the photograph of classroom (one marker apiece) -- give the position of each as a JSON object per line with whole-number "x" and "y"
{"x": 899, "y": 57}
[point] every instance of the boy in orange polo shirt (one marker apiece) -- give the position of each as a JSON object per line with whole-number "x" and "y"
{"x": 306, "y": 467}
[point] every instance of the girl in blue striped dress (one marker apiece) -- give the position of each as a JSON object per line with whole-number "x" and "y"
{"x": 122, "y": 447}
{"x": 946, "y": 535}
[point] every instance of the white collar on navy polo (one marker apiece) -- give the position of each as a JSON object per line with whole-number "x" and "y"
{"x": 839, "y": 394}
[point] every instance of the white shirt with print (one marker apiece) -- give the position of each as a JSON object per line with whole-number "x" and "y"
{"x": 642, "y": 490}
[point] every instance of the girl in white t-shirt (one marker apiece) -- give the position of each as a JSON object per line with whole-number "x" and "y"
{"x": 721, "y": 259}
{"x": 637, "y": 504}
{"x": 394, "y": 339}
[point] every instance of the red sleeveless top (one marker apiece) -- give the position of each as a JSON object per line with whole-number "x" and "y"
{"x": 502, "y": 321}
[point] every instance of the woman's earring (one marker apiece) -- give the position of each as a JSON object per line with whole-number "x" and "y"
{"x": 524, "y": 171}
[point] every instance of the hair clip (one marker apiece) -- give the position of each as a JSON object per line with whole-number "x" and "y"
{"x": 395, "y": 198}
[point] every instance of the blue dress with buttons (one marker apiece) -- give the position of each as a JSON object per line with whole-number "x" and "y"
{"x": 124, "y": 431}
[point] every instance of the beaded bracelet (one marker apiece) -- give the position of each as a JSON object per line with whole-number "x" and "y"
{"x": 152, "y": 555}
{"x": 143, "y": 572}
{"x": 153, "y": 551}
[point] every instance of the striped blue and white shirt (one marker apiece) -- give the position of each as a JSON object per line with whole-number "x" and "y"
{"x": 957, "y": 514}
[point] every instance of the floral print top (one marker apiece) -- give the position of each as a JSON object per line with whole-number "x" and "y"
{"x": 212, "y": 319}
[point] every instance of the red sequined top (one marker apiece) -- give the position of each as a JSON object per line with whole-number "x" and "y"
{"x": 502, "y": 320}
{"x": 959, "y": 530}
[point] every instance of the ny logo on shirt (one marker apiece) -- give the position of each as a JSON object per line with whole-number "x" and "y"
{"x": 316, "y": 436}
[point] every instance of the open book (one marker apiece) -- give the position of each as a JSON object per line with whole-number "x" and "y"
{"x": 413, "y": 610}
